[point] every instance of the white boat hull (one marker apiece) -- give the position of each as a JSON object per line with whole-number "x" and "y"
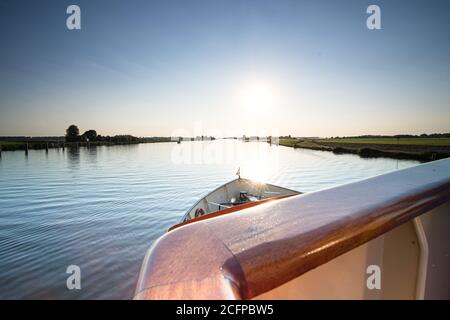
{"x": 235, "y": 193}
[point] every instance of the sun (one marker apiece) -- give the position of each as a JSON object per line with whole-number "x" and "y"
{"x": 257, "y": 96}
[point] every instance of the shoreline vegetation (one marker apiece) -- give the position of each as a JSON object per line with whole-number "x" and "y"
{"x": 39, "y": 143}
{"x": 423, "y": 148}
{"x": 88, "y": 139}
{"x": 73, "y": 139}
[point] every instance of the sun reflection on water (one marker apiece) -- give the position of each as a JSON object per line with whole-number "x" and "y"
{"x": 258, "y": 169}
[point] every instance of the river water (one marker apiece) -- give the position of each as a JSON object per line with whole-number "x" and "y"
{"x": 101, "y": 208}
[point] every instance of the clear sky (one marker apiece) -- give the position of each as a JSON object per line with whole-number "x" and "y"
{"x": 225, "y": 67}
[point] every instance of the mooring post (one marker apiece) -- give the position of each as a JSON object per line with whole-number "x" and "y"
{"x": 26, "y": 148}
{"x": 63, "y": 146}
{"x": 433, "y": 156}
{"x": 46, "y": 147}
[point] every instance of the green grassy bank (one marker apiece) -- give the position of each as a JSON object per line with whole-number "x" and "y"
{"x": 393, "y": 140}
{"x": 421, "y": 149}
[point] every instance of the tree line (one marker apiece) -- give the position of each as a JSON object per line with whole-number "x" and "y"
{"x": 73, "y": 135}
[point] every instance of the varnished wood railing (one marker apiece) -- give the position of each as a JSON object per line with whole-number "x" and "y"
{"x": 244, "y": 254}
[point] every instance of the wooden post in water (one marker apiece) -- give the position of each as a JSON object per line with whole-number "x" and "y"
{"x": 433, "y": 156}
{"x": 46, "y": 147}
{"x": 0, "y": 151}
{"x": 63, "y": 145}
{"x": 26, "y": 148}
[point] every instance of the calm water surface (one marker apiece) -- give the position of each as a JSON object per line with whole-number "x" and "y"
{"x": 101, "y": 208}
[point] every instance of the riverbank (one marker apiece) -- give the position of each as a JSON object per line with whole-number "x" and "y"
{"x": 49, "y": 144}
{"x": 421, "y": 149}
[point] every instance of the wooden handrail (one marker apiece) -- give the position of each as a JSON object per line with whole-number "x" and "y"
{"x": 239, "y": 256}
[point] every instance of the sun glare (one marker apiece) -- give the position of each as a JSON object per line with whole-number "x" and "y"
{"x": 257, "y": 171}
{"x": 257, "y": 97}
{"x": 259, "y": 163}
